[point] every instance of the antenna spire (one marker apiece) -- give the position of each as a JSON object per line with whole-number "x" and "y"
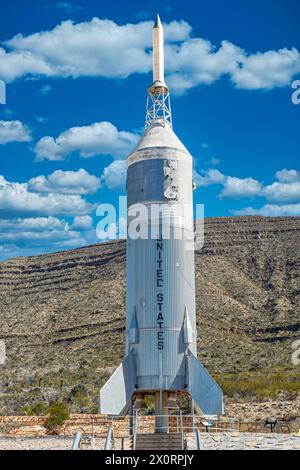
{"x": 158, "y": 101}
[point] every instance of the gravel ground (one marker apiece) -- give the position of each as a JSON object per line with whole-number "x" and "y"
{"x": 246, "y": 441}
{"x": 222, "y": 441}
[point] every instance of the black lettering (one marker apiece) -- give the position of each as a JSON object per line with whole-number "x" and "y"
{"x": 160, "y": 297}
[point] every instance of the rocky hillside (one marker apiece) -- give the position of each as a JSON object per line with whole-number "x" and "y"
{"x": 62, "y": 316}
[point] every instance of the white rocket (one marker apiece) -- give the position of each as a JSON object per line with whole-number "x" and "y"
{"x": 161, "y": 350}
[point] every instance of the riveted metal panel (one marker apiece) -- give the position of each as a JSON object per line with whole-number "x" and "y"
{"x": 147, "y": 180}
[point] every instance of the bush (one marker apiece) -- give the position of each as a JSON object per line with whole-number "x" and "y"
{"x": 28, "y": 411}
{"x": 40, "y": 408}
{"x": 58, "y": 413}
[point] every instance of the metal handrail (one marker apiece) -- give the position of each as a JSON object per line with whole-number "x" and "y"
{"x": 181, "y": 431}
{"x": 176, "y": 423}
{"x": 136, "y": 425}
{"x": 198, "y": 439}
{"x": 109, "y": 439}
{"x": 77, "y": 441}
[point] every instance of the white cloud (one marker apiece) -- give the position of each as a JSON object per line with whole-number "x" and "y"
{"x": 82, "y": 222}
{"x": 32, "y": 224}
{"x": 197, "y": 61}
{"x": 238, "y": 188}
{"x": 288, "y": 176}
{"x": 267, "y": 70}
{"x": 3, "y": 181}
{"x": 272, "y": 210}
{"x": 65, "y": 182}
{"x": 16, "y": 200}
{"x": 101, "y": 48}
{"x": 100, "y": 138}
{"x": 283, "y": 192}
{"x": 93, "y": 48}
{"x": 14, "y": 131}
{"x": 36, "y": 235}
{"x": 209, "y": 177}
{"x": 114, "y": 176}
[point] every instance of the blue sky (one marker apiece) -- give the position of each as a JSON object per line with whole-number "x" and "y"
{"x": 77, "y": 75}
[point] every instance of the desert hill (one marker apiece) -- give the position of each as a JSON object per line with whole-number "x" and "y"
{"x": 62, "y": 315}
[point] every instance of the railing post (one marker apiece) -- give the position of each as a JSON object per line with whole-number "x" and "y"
{"x": 181, "y": 429}
{"x": 131, "y": 418}
{"x": 135, "y": 429}
{"x": 198, "y": 439}
{"x": 108, "y": 438}
{"x": 77, "y": 440}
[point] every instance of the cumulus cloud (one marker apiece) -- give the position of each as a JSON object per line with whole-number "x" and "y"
{"x": 283, "y": 192}
{"x": 35, "y": 235}
{"x": 38, "y": 230}
{"x": 16, "y": 200}
{"x": 267, "y": 70}
{"x": 100, "y": 138}
{"x": 65, "y": 182}
{"x": 92, "y": 48}
{"x": 32, "y": 224}
{"x": 14, "y": 131}
{"x": 82, "y": 222}
{"x": 102, "y": 48}
{"x": 286, "y": 189}
{"x": 114, "y": 176}
{"x": 271, "y": 210}
{"x": 209, "y": 177}
{"x": 238, "y": 188}
{"x": 288, "y": 176}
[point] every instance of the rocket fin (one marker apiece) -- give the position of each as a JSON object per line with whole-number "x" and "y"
{"x": 133, "y": 330}
{"x": 116, "y": 394}
{"x": 187, "y": 328}
{"x": 204, "y": 390}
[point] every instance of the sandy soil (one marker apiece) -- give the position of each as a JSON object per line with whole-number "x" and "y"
{"x": 225, "y": 441}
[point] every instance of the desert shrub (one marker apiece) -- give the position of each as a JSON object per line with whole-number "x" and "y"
{"x": 260, "y": 385}
{"x": 40, "y": 408}
{"x": 149, "y": 402}
{"x": 58, "y": 413}
{"x": 28, "y": 410}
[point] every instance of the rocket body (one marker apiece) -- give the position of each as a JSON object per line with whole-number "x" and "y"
{"x": 160, "y": 269}
{"x": 161, "y": 338}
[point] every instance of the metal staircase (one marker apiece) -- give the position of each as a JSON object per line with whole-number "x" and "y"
{"x": 158, "y": 441}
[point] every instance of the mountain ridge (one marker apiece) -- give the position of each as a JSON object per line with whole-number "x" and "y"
{"x": 63, "y": 315}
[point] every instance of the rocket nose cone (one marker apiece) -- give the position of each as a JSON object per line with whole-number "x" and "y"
{"x": 157, "y": 23}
